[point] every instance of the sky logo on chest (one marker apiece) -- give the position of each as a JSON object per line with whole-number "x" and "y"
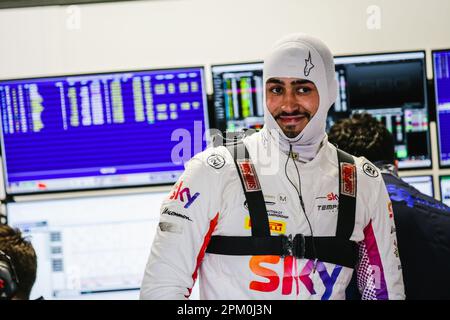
{"x": 328, "y": 203}
{"x": 293, "y": 277}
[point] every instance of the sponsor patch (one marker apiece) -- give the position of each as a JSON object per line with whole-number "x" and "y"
{"x": 168, "y": 212}
{"x": 277, "y": 214}
{"x": 249, "y": 176}
{"x": 216, "y": 161}
{"x": 170, "y": 227}
{"x": 332, "y": 196}
{"x": 184, "y": 195}
{"x": 270, "y": 197}
{"x": 274, "y": 225}
{"x": 370, "y": 170}
{"x": 328, "y": 207}
{"x": 282, "y": 198}
{"x": 279, "y": 198}
{"x": 268, "y": 203}
{"x": 396, "y": 250}
{"x": 348, "y": 179}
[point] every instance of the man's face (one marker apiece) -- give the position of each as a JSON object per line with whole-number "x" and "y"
{"x": 292, "y": 102}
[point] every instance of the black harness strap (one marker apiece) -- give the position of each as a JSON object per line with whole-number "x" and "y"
{"x": 342, "y": 252}
{"x": 337, "y": 250}
{"x": 347, "y": 195}
{"x": 328, "y": 249}
{"x": 246, "y": 246}
{"x": 252, "y": 189}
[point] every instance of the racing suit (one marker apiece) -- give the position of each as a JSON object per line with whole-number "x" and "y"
{"x": 208, "y": 200}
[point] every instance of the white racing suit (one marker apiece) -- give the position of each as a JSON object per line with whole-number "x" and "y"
{"x": 208, "y": 200}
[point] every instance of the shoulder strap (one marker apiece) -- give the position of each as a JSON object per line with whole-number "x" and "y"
{"x": 347, "y": 195}
{"x": 329, "y": 249}
{"x": 252, "y": 189}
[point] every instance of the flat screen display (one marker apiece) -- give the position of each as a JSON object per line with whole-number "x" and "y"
{"x": 101, "y": 130}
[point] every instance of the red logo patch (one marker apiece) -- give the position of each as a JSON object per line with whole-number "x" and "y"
{"x": 248, "y": 173}
{"x": 348, "y": 181}
{"x": 332, "y": 196}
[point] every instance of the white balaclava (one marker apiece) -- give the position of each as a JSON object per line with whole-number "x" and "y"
{"x": 302, "y": 56}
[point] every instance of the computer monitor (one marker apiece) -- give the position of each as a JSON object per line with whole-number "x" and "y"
{"x": 101, "y": 130}
{"x": 238, "y": 96}
{"x": 441, "y": 70}
{"x": 392, "y": 88}
{"x": 2, "y": 183}
{"x": 422, "y": 183}
{"x": 92, "y": 247}
{"x": 445, "y": 189}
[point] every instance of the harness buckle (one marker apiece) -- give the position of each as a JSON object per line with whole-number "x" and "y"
{"x": 286, "y": 245}
{"x": 293, "y": 247}
{"x": 299, "y": 246}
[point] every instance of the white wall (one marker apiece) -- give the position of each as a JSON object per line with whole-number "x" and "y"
{"x": 147, "y": 34}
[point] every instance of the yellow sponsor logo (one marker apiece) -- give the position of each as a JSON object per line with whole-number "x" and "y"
{"x": 274, "y": 225}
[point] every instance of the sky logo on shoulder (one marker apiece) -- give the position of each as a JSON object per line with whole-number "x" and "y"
{"x": 184, "y": 195}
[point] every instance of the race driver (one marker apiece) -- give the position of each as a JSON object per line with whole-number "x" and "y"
{"x": 315, "y": 240}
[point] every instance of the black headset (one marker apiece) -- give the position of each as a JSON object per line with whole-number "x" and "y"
{"x": 9, "y": 282}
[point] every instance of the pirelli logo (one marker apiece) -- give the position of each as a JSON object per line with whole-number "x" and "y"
{"x": 249, "y": 176}
{"x": 348, "y": 179}
{"x": 274, "y": 225}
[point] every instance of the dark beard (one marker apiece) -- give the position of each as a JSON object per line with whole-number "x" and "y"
{"x": 291, "y": 134}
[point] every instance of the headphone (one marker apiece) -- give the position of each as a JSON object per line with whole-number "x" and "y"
{"x": 9, "y": 282}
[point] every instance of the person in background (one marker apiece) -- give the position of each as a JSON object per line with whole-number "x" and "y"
{"x": 422, "y": 222}
{"x": 18, "y": 265}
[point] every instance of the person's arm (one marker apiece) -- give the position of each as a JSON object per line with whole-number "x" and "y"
{"x": 189, "y": 215}
{"x": 379, "y": 271}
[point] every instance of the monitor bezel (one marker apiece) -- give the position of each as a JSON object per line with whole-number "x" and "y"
{"x": 442, "y": 177}
{"x": 412, "y": 168}
{"x": 214, "y": 65}
{"x": 438, "y": 133}
{"x": 77, "y": 196}
{"x": 3, "y": 157}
